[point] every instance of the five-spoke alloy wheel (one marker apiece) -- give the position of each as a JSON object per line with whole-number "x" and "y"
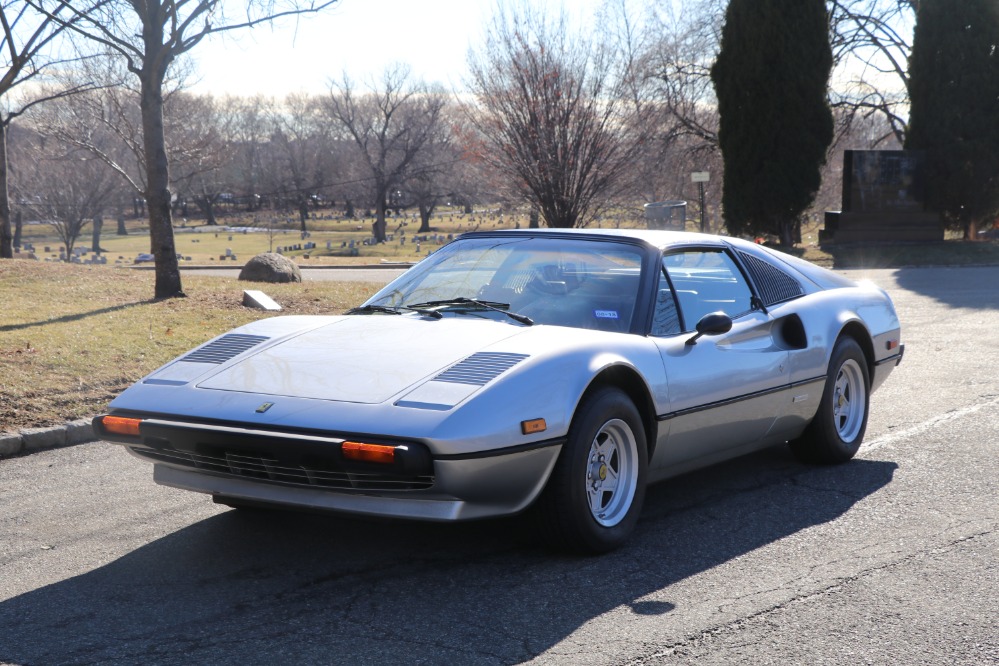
{"x": 835, "y": 434}
{"x": 595, "y": 492}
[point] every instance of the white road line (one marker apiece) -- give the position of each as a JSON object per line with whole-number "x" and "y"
{"x": 893, "y": 437}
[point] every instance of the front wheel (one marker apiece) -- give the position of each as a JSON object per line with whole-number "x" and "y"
{"x": 595, "y": 492}
{"x": 835, "y": 434}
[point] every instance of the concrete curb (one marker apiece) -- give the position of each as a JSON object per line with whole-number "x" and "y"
{"x": 38, "y": 439}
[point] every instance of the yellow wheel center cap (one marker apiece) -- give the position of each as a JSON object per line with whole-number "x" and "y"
{"x": 603, "y": 472}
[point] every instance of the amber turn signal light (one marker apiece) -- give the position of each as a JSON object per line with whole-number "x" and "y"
{"x": 533, "y": 426}
{"x": 120, "y": 425}
{"x": 375, "y": 453}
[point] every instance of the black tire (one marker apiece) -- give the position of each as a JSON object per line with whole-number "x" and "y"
{"x": 579, "y": 511}
{"x": 836, "y": 432}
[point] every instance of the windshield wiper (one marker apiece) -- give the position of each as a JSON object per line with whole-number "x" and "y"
{"x": 486, "y": 305}
{"x": 368, "y": 309}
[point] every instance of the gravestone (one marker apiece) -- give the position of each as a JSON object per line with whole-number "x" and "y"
{"x": 884, "y": 194}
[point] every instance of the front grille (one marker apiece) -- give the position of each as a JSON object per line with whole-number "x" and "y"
{"x": 319, "y": 474}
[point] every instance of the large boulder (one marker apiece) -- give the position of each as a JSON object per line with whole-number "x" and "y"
{"x": 270, "y": 267}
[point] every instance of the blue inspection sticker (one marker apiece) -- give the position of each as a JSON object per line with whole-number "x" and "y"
{"x": 605, "y": 314}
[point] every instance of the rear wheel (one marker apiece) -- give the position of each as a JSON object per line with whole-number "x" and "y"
{"x": 835, "y": 434}
{"x": 595, "y": 492}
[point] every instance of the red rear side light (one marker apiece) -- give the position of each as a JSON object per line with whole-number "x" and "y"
{"x": 120, "y": 425}
{"x": 375, "y": 453}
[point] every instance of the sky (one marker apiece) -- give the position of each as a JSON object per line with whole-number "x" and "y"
{"x": 362, "y": 37}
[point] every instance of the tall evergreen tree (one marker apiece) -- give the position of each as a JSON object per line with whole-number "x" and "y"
{"x": 771, "y": 78}
{"x": 954, "y": 91}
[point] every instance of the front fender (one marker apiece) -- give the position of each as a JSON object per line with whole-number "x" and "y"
{"x": 548, "y": 385}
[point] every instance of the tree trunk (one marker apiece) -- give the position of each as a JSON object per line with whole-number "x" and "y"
{"x": 6, "y": 238}
{"x": 207, "y": 204}
{"x": 534, "y": 219}
{"x": 378, "y": 228}
{"x": 786, "y": 229}
{"x": 98, "y": 225}
{"x": 303, "y": 214}
{"x": 161, "y": 237}
{"x": 18, "y": 222}
{"x": 73, "y": 229}
{"x": 122, "y": 231}
{"x": 425, "y": 213}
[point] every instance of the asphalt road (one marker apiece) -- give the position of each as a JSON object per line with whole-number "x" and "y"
{"x": 890, "y": 559}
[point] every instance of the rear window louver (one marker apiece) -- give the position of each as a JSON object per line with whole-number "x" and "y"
{"x": 225, "y": 348}
{"x": 479, "y": 369}
{"x": 775, "y": 285}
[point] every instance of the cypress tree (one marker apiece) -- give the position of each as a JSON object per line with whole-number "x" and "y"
{"x": 954, "y": 116}
{"x": 771, "y": 78}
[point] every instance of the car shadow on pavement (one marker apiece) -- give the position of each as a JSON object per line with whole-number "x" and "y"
{"x": 971, "y": 287}
{"x": 275, "y": 587}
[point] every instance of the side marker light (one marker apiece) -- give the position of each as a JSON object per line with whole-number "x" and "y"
{"x": 533, "y": 426}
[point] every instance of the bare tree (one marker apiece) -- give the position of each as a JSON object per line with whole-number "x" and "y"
{"x": 390, "y": 125}
{"x": 198, "y": 137}
{"x": 301, "y": 140}
{"x": 150, "y": 36}
{"x": 671, "y": 74}
{"x": 549, "y": 105}
{"x": 246, "y": 121}
{"x": 106, "y": 121}
{"x": 65, "y": 187}
{"x": 27, "y": 37}
{"x": 872, "y": 40}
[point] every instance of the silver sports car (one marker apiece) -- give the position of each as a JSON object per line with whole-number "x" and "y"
{"x": 555, "y": 371}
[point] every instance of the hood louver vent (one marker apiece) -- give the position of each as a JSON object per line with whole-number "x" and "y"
{"x": 478, "y": 369}
{"x": 225, "y": 348}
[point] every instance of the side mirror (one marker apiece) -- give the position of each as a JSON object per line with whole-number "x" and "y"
{"x": 713, "y": 323}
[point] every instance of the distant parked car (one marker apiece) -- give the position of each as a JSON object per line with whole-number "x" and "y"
{"x": 144, "y": 257}
{"x": 543, "y": 370}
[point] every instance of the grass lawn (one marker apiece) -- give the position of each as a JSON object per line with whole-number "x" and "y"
{"x": 247, "y": 235}
{"x": 72, "y": 337}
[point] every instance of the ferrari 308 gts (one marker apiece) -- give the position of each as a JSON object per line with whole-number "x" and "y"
{"x": 556, "y": 372}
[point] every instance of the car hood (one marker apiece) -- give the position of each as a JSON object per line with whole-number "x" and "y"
{"x": 360, "y": 359}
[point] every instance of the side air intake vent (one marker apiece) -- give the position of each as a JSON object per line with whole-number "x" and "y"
{"x": 479, "y": 369}
{"x": 225, "y": 348}
{"x": 775, "y": 285}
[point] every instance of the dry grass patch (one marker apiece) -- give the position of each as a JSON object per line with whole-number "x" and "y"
{"x": 73, "y": 337}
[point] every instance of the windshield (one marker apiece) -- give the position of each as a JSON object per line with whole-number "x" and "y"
{"x": 565, "y": 282}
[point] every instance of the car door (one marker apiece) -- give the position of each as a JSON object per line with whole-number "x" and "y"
{"x": 725, "y": 391}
